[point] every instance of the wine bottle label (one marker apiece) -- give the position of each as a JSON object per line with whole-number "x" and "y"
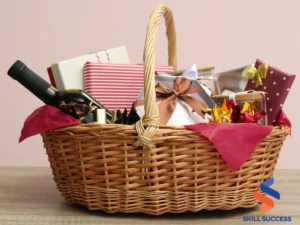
{"x": 76, "y": 109}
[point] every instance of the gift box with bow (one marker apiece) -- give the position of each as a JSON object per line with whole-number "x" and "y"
{"x": 180, "y": 100}
{"x": 261, "y": 77}
{"x": 275, "y": 82}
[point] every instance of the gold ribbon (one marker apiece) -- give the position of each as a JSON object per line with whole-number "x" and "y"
{"x": 250, "y": 108}
{"x": 220, "y": 114}
{"x": 168, "y": 98}
{"x": 256, "y": 75}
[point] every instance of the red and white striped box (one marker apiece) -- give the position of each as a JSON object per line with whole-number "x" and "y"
{"x": 116, "y": 86}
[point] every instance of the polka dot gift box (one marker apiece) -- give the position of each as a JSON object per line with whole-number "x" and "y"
{"x": 275, "y": 83}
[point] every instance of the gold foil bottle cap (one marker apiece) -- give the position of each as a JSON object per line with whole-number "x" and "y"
{"x": 101, "y": 116}
{"x": 113, "y": 116}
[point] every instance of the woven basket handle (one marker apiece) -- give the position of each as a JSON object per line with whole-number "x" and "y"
{"x": 151, "y": 118}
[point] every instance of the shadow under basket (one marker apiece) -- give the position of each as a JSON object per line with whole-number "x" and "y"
{"x": 97, "y": 166}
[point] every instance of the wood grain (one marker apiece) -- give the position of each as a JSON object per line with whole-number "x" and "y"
{"x": 29, "y": 196}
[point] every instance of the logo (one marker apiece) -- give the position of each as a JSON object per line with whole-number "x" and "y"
{"x": 268, "y": 203}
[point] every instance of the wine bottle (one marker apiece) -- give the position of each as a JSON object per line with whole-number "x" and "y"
{"x": 74, "y": 102}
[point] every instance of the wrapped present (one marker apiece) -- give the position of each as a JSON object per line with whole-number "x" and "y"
{"x": 260, "y": 77}
{"x": 241, "y": 98}
{"x": 116, "y": 86}
{"x": 232, "y": 80}
{"x": 68, "y": 74}
{"x": 275, "y": 82}
{"x": 180, "y": 100}
{"x": 206, "y": 76}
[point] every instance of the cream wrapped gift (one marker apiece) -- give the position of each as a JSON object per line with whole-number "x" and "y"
{"x": 180, "y": 100}
{"x": 68, "y": 74}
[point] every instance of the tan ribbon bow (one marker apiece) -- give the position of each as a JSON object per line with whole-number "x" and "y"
{"x": 168, "y": 98}
{"x": 256, "y": 75}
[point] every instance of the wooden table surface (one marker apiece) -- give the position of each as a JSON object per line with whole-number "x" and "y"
{"x": 29, "y": 196}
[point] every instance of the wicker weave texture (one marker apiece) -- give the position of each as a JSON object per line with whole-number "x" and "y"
{"x": 98, "y": 166}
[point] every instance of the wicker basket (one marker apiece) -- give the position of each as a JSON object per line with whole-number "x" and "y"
{"x": 150, "y": 168}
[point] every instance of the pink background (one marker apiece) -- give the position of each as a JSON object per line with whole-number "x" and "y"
{"x": 227, "y": 34}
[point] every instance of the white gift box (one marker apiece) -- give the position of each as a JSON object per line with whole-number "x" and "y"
{"x": 68, "y": 74}
{"x": 183, "y": 113}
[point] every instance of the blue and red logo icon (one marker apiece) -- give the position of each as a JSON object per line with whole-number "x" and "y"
{"x": 268, "y": 203}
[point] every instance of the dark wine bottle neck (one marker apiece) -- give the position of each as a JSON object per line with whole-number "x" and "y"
{"x": 33, "y": 82}
{"x": 48, "y": 94}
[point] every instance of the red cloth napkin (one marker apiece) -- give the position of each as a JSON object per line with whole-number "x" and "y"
{"x": 45, "y": 118}
{"x": 234, "y": 141}
{"x": 283, "y": 120}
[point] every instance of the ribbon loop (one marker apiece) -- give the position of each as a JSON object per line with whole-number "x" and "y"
{"x": 256, "y": 74}
{"x": 169, "y": 98}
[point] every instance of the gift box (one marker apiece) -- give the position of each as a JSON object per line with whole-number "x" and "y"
{"x": 180, "y": 99}
{"x": 68, "y": 74}
{"x": 241, "y": 98}
{"x": 232, "y": 80}
{"x": 116, "y": 86}
{"x": 275, "y": 82}
{"x": 206, "y": 76}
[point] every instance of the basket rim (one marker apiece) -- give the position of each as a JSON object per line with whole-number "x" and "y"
{"x": 95, "y": 124}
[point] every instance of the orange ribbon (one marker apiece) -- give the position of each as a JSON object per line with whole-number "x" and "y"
{"x": 182, "y": 89}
